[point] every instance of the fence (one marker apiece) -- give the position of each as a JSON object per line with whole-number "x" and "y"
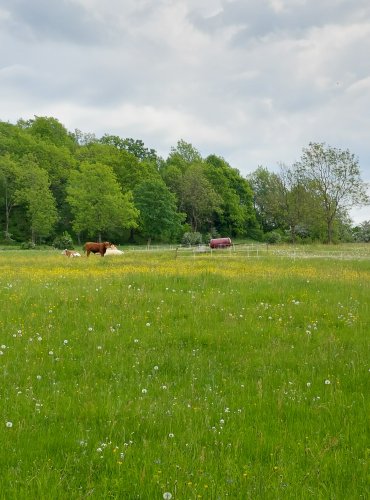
{"x": 256, "y": 250}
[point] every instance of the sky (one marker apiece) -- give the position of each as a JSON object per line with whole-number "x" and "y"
{"x": 252, "y": 81}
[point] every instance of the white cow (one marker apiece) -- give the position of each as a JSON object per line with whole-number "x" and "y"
{"x": 113, "y": 250}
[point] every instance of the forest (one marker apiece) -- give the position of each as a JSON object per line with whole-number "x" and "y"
{"x": 60, "y": 188}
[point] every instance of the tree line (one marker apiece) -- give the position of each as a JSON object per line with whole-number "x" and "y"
{"x": 58, "y": 186}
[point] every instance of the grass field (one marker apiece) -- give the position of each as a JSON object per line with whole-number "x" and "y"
{"x": 161, "y": 375}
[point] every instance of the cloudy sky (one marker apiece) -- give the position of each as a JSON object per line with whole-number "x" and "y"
{"x": 253, "y": 81}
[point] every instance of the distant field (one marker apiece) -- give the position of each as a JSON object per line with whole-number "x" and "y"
{"x": 185, "y": 375}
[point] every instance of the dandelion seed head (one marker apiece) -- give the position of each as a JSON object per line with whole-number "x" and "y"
{"x": 327, "y": 382}
{"x": 167, "y": 495}
{"x": 9, "y": 424}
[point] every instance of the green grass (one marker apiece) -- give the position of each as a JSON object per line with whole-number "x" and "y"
{"x": 215, "y": 376}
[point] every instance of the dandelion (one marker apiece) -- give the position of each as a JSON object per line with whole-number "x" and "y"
{"x": 148, "y": 324}
{"x": 99, "y": 347}
{"x": 327, "y": 382}
{"x": 308, "y": 384}
{"x": 167, "y": 495}
{"x": 3, "y": 346}
{"x": 90, "y": 329}
{"x": 51, "y": 353}
{"x": 38, "y": 377}
{"x": 156, "y": 368}
{"x": 171, "y": 435}
{"x": 39, "y": 338}
{"x": 136, "y": 341}
{"x": 144, "y": 391}
{"x": 65, "y": 342}
{"x": 9, "y": 424}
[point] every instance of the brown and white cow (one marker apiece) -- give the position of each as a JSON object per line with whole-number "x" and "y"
{"x": 71, "y": 253}
{"x": 93, "y": 247}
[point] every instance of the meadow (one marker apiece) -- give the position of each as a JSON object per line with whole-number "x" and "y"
{"x": 169, "y": 375}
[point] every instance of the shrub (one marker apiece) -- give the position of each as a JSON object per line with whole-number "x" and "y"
{"x": 28, "y": 245}
{"x": 63, "y": 241}
{"x": 191, "y": 238}
{"x": 273, "y": 237}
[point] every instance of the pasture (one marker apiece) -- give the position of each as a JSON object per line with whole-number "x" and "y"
{"x": 161, "y": 375}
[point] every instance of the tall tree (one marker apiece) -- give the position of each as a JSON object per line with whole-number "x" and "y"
{"x": 9, "y": 180}
{"x": 34, "y": 192}
{"x": 159, "y": 218}
{"x": 334, "y": 177}
{"x": 238, "y": 214}
{"x": 267, "y": 198}
{"x": 50, "y": 130}
{"x": 183, "y": 155}
{"x": 133, "y": 146}
{"x": 97, "y": 202}
{"x": 199, "y": 200}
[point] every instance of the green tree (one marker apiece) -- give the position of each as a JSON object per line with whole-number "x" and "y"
{"x": 159, "y": 218}
{"x": 333, "y": 176}
{"x": 199, "y": 200}
{"x": 362, "y": 232}
{"x": 97, "y": 202}
{"x": 237, "y": 214}
{"x": 49, "y": 130}
{"x": 267, "y": 199}
{"x": 9, "y": 180}
{"x": 129, "y": 170}
{"x": 34, "y": 192}
{"x": 133, "y": 146}
{"x": 183, "y": 155}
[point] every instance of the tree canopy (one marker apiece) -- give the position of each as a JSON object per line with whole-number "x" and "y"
{"x": 54, "y": 182}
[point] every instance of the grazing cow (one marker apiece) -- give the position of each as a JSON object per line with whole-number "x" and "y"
{"x": 96, "y": 247}
{"x": 71, "y": 253}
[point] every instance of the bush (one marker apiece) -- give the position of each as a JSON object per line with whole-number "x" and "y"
{"x": 191, "y": 238}
{"x": 273, "y": 237}
{"x": 63, "y": 241}
{"x": 28, "y": 245}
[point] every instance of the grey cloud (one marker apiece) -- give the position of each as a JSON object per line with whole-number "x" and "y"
{"x": 258, "y": 19}
{"x": 51, "y": 20}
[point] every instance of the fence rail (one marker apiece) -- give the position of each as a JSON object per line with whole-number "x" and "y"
{"x": 259, "y": 250}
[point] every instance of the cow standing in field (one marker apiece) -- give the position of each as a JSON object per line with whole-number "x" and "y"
{"x": 96, "y": 247}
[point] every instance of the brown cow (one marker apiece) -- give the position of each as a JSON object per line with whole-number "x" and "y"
{"x": 96, "y": 247}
